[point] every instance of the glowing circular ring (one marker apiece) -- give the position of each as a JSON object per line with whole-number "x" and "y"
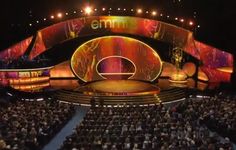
{"x": 85, "y": 58}
{"x": 115, "y": 57}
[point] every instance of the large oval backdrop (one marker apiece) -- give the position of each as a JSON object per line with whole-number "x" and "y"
{"x": 86, "y": 60}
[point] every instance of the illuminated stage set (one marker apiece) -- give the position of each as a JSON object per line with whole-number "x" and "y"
{"x": 116, "y": 58}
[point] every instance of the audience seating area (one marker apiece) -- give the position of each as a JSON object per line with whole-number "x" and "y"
{"x": 186, "y": 125}
{"x": 196, "y": 123}
{"x": 219, "y": 114}
{"x": 30, "y": 125}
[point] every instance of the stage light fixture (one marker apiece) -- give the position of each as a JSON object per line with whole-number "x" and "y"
{"x": 118, "y": 8}
{"x": 131, "y": 9}
{"x": 37, "y": 21}
{"x": 88, "y": 10}
{"x": 139, "y": 11}
{"x": 44, "y": 19}
{"x": 161, "y": 15}
{"x": 124, "y": 9}
{"x": 30, "y": 24}
{"x": 154, "y": 13}
{"x": 190, "y": 23}
{"x": 66, "y": 14}
{"x": 52, "y": 17}
{"x": 103, "y": 9}
{"x": 181, "y": 20}
{"x": 198, "y": 26}
{"x": 176, "y": 18}
{"x": 168, "y": 16}
{"x": 59, "y": 15}
{"x": 75, "y": 12}
{"x": 147, "y": 12}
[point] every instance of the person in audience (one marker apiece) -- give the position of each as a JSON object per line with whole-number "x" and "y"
{"x": 30, "y": 125}
{"x": 194, "y": 124}
{"x": 184, "y": 125}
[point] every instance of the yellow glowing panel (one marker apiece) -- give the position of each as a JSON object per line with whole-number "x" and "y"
{"x": 84, "y": 61}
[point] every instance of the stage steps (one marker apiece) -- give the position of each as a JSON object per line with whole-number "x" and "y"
{"x": 167, "y": 95}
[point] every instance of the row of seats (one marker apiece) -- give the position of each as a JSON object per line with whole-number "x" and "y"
{"x": 28, "y": 125}
{"x": 180, "y": 126}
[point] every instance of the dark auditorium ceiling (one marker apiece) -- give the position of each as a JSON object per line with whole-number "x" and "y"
{"x": 216, "y": 17}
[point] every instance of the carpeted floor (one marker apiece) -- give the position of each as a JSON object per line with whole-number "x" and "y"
{"x": 57, "y": 141}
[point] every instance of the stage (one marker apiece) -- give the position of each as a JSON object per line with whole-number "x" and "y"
{"x": 114, "y": 92}
{"x": 119, "y": 92}
{"x": 118, "y": 88}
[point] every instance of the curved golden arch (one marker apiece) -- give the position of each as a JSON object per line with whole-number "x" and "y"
{"x": 154, "y": 52}
{"x": 133, "y": 22}
{"x": 191, "y": 47}
{"x": 133, "y": 17}
{"x": 187, "y": 41}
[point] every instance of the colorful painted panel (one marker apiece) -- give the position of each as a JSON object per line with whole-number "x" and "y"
{"x": 16, "y": 50}
{"x": 190, "y": 47}
{"x": 215, "y": 75}
{"x": 63, "y": 31}
{"x": 86, "y": 59}
{"x": 213, "y": 57}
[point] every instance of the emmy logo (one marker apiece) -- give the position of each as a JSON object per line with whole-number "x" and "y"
{"x": 108, "y": 23}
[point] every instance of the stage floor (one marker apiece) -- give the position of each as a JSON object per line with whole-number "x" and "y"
{"x": 162, "y": 83}
{"x": 118, "y": 87}
{"x": 119, "y": 92}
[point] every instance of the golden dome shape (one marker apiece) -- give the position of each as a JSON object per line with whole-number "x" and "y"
{"x": 178, "y": 77}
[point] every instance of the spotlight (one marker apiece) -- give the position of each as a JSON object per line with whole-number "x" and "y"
{"x": 190, "y": 23}
{"x": 44, "y": 19}
{"x": 95, "y": 9}
{"x": 147, "y": 12}
{"x": 75, "y": 12}
{"x": 168, "y": 16}
{"x": 131, "y": 9}
{"x": 161, "y": 15}
{"x": 66, "y": 14}
{"x": 176, "y": 18}
{"x": 30, "y": 24}
{"x": 59, "y": 15}
{"x": 88, "y": 10}
{"x": 124, "y": 9}
{"x": 154, "y": 13}
{"x": 52, "y": 17}
{"x": 103, "y": 9}
{"x": 198, "y": 26}
{"x": 139, "y": 11}
{"x": 181, "y": 20}
{"x": 118, "y": 8}
{"x": 37, "y": 21}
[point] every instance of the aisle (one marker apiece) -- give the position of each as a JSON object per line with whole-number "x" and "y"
{"x": 57, "y": 141}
